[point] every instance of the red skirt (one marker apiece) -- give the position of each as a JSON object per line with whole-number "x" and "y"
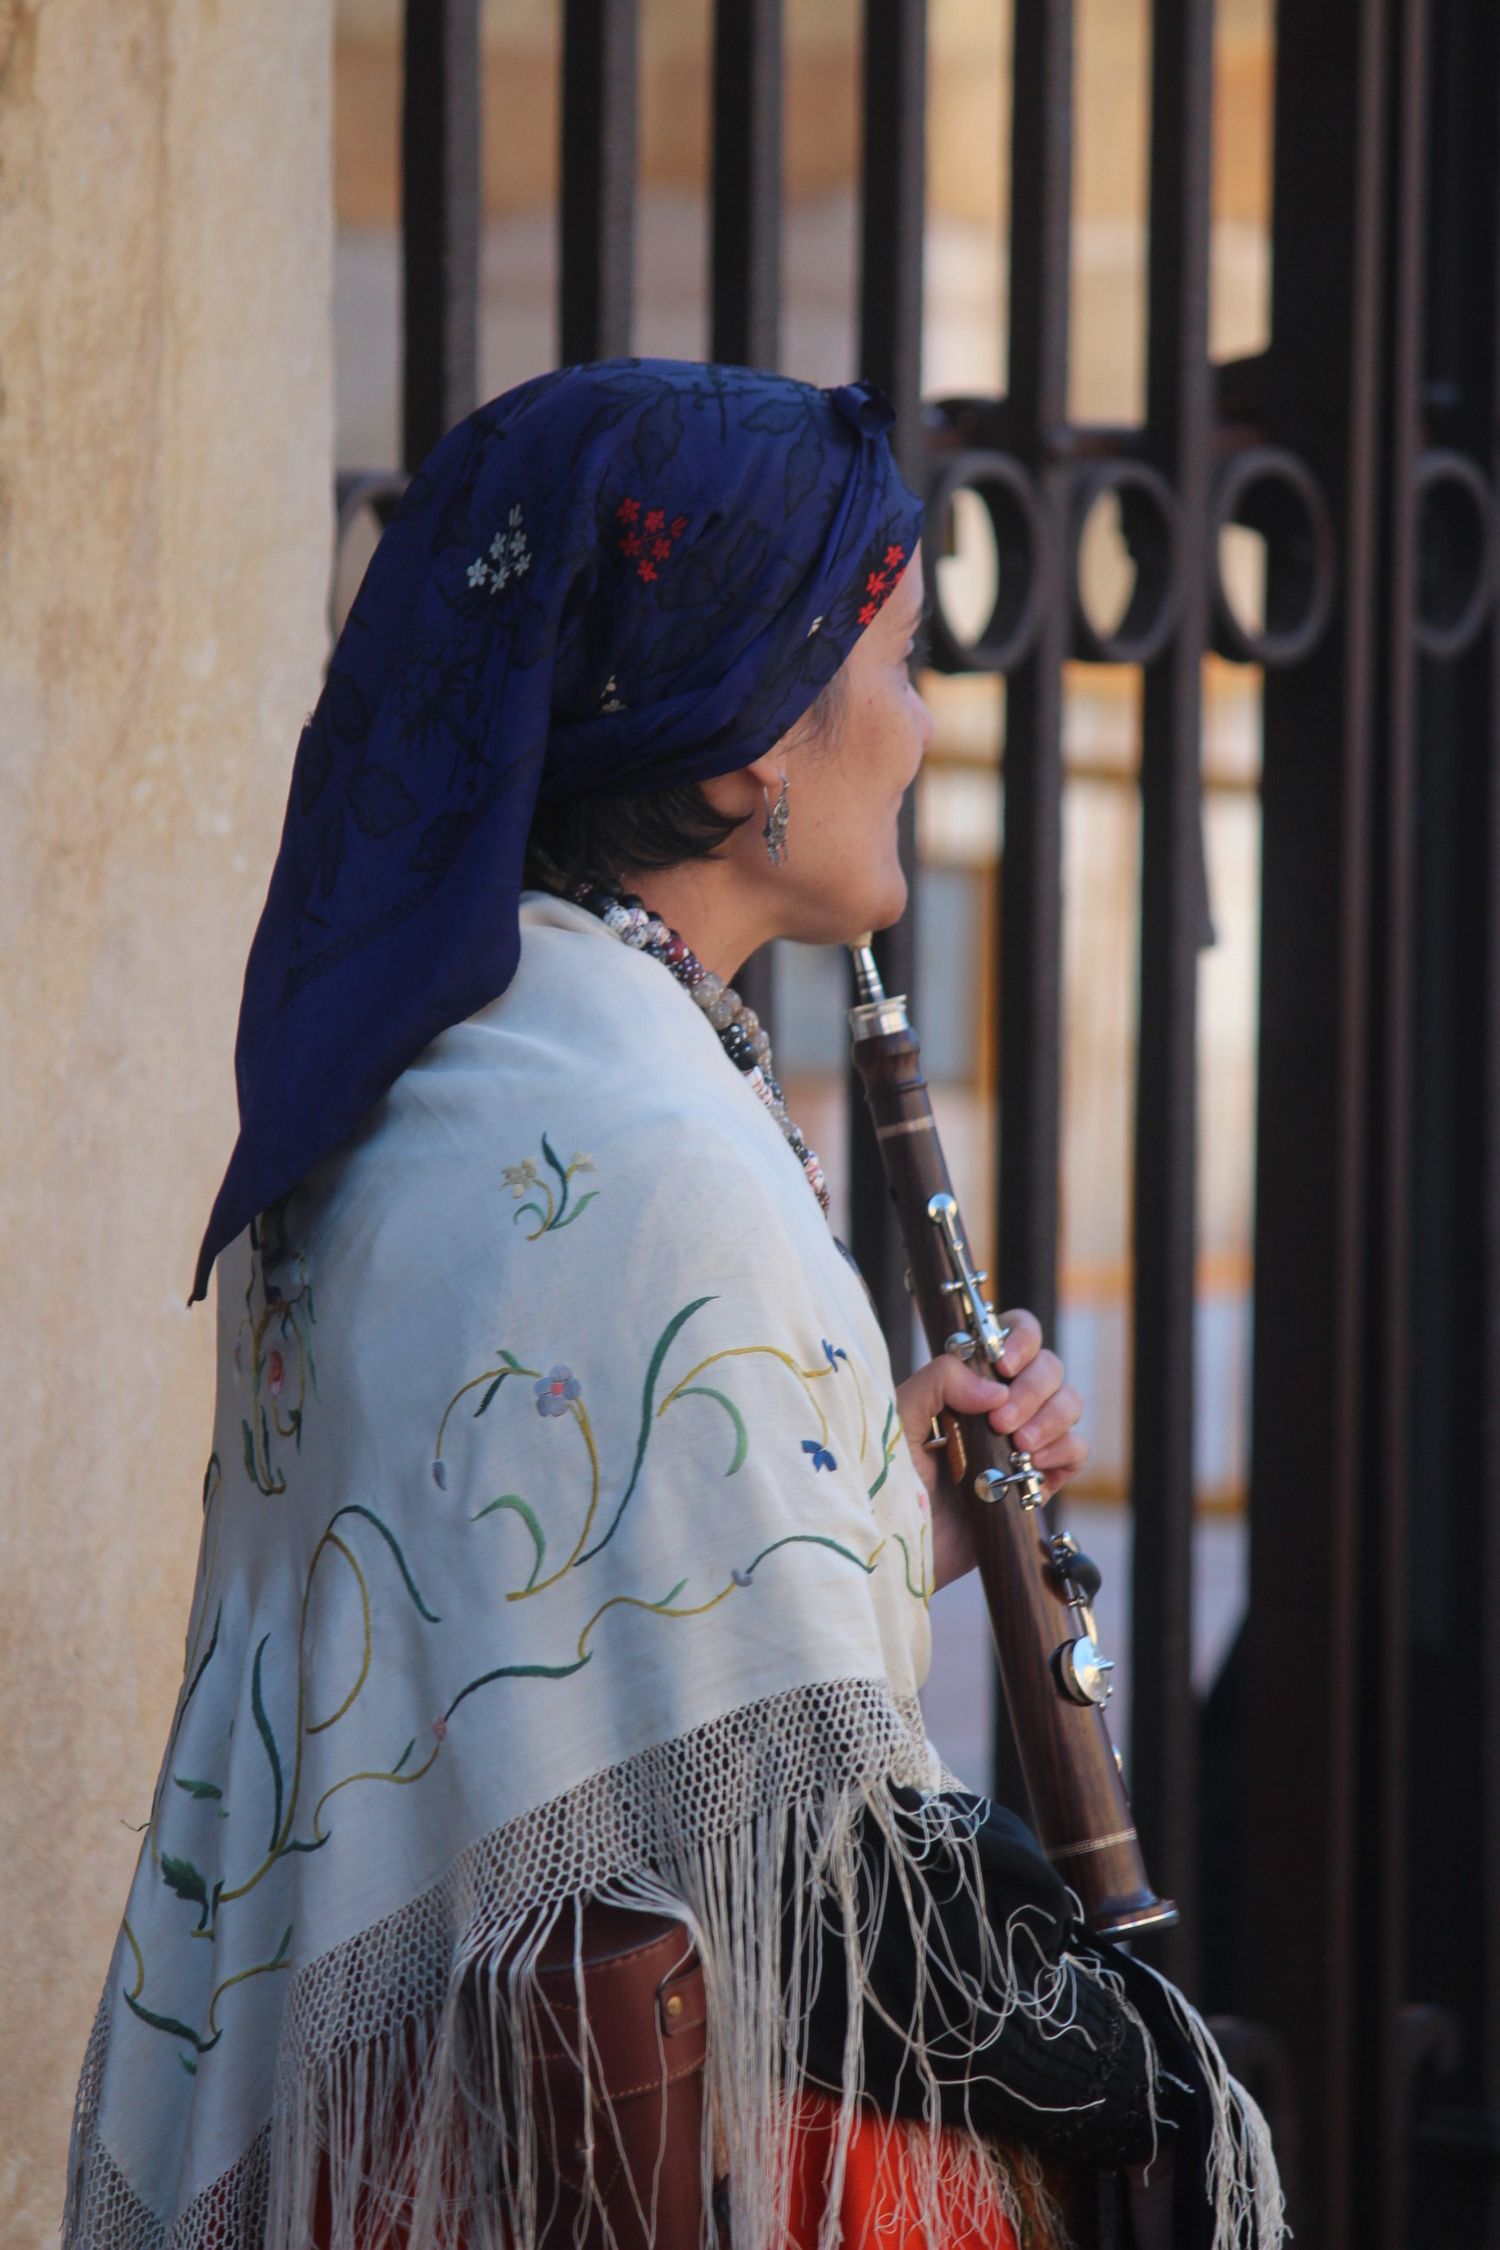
{"x": 880, "y": 2201}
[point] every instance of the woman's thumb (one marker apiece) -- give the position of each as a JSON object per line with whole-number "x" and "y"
{"x": 948, "y": 1381}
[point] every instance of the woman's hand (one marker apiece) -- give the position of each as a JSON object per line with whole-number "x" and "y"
{"x": 1033, "y": 1407}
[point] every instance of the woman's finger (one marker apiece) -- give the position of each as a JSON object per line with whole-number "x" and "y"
{"x": 945, "y": 1381}
{"x": 1053, "y": 1420}
{"x": 1022, "y": 1343}
{"x": 1060, "y": 1462}
{"x": 1037, "y": 1382}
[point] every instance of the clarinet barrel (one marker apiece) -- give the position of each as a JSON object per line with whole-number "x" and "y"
{"x": 1038, "y": 1587}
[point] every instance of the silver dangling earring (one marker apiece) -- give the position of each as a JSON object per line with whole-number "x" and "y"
{"x": 777, "y": 818}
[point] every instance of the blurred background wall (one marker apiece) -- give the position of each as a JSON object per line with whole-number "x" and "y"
{"x": 199, "y": 320}
{"x": 165, "y": 503}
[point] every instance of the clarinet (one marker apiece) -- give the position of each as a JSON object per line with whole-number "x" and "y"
{"x": 1038, "y": 1586}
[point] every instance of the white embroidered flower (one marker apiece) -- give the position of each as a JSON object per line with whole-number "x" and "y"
{"x": 508, "y": 556}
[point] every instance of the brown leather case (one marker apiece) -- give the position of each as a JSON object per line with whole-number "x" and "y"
{"x": 647, "y": 2028}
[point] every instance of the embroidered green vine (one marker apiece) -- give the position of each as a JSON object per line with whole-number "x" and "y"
{"x": 523, "y": 1177}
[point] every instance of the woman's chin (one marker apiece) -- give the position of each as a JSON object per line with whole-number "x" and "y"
{"x": 886, "y": 904}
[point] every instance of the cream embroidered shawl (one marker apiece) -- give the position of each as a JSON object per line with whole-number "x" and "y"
{"x": 559, "y": 1535}
{"x": 558, "y": 1531}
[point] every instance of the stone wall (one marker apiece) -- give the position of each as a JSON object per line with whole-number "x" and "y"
{"x": 165, "y": 447}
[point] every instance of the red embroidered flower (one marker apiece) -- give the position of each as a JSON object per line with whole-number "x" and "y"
{"x": 881, "y": 584}
{"x": 275, "y": 1373}
{"x": 649, "y": 539}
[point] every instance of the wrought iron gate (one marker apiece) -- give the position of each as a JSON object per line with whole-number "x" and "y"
{"x": 1351, "y": 1757}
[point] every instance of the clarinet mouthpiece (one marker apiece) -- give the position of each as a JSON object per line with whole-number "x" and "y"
{"x": 866, "y": 975}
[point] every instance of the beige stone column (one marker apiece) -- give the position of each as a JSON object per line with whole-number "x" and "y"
{"x": 165, "y": 448}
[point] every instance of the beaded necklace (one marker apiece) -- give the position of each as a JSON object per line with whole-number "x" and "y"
{"x": 742, "y": 1035}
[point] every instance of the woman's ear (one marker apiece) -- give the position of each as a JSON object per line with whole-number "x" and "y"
{"x": 743, "y": 790}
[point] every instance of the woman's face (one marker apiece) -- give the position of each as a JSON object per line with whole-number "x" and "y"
{"x": 842, "y": 874}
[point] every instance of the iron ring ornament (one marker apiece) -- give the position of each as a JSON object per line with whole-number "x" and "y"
{"x": 1010, "y": 499}
{"x": 1455, "y": 552}
{"x": 1151, "y": 529}
{"x": 1269, "y": 490}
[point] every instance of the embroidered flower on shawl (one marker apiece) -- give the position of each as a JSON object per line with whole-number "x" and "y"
{"x": 558, "y": 1209}
{"x": 833, "y": 1353}
{"x": 556, "y": 1390}
{"x": 274, "y": 1343}
{"x": 508, "y": 557}
{"x": 819, "y": 1454}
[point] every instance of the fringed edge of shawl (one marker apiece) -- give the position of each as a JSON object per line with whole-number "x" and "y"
{"x": 408, "y": 2054}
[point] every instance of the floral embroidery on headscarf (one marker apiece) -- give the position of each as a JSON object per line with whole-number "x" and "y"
{"x": 508, "y": 557}
{"x": 882, "y": 583}
{"x": 646, "y": 538}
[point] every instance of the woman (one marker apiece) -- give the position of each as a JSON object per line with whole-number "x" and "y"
{"x": 565, "y": 1538}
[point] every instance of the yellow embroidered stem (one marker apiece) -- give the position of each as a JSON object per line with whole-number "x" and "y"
{"x": 320, "y": 1726}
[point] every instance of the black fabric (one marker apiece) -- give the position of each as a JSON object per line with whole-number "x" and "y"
{"x": 1015, "y": 2080}
{"x": 1072, "y": 2088}
{"x": 1182, "y": 2101}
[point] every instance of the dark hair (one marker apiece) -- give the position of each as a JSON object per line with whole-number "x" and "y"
{"x": 594, "y": 834}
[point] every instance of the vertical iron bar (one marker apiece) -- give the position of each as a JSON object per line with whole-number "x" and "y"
{"x": 440, "y": 215}
{"x": 1381, "y": 2122}
{"x": 1452, "y": 1352}
{"x": 1030, "y": 922}
{"x": 597, "y": 202}
{"x": 1028, "y": 981}
{"x": 1480, "y": 1996}
{"x": 1173, "y": 901}
{"x": 892, "y": 202}
{"x": 745, "y": 245}
{"x": 1301, "y": 1837}
{"x": 745, "y": 241}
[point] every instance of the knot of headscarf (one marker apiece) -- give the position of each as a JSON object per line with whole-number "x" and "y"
{"x": 620, "y": 577}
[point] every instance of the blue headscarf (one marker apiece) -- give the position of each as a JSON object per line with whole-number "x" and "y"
{"x": 620, "y": 577}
